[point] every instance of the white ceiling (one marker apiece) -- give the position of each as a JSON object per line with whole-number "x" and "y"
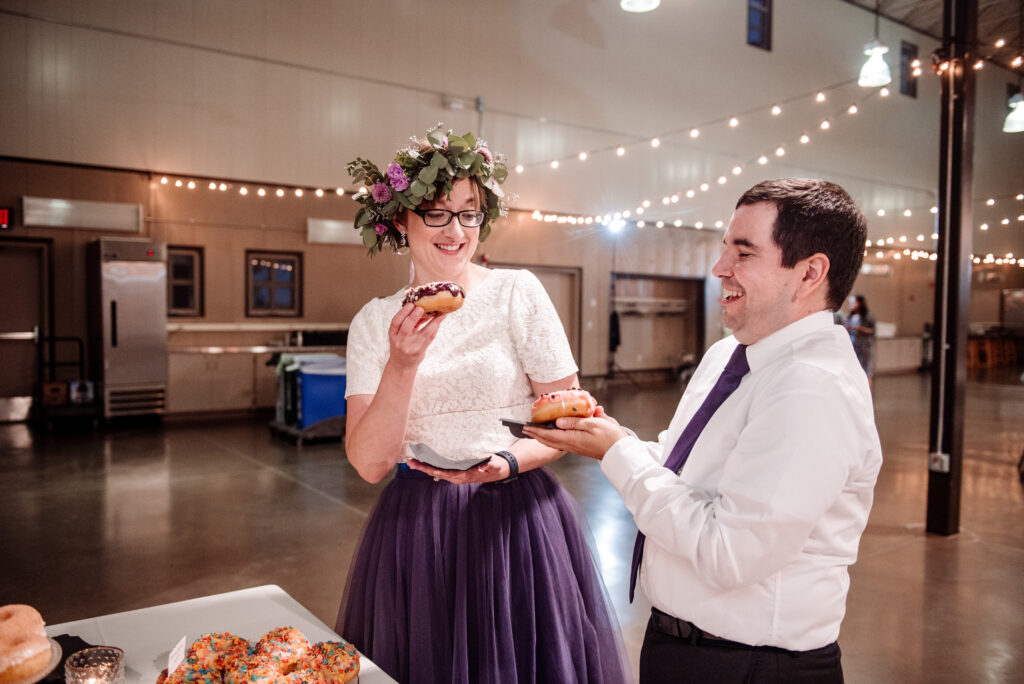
{"x": 288, "y": 92}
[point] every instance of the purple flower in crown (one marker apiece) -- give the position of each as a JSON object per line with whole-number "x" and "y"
{"x": 381, "y": 193}
{"x": 486, "y": 154}
{"x": 444, "y": 141}
{"x": 380, "y": 229}
{"x": 399, "y": 181}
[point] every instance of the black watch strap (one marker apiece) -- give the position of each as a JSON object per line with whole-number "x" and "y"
{"x": 513, "y": 465}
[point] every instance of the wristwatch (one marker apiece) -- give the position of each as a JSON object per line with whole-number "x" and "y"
{"x": 513, "y": 465}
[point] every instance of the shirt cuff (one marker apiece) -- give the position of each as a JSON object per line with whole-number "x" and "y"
{"x": 623, "y": 460}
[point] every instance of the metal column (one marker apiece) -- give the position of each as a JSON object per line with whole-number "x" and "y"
{"x": 953, "y": 267}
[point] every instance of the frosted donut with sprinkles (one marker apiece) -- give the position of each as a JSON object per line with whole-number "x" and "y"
{"x": 281, "y": 656}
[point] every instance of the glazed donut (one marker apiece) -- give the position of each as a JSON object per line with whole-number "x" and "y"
{"x": 435, "y": 298}
{"x": 24, "y": 646}
{"x": 563, "y": 403}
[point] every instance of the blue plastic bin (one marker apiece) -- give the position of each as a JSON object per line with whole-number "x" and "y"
{"x": 321, "y": 393}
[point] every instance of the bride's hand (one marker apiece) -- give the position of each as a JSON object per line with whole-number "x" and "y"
{"x": 494, "y": 470}
{"x": 409, "y": 335}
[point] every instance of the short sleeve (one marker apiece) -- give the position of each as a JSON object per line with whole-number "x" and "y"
{"x": 537, "y": 332}
{"x": 366, "y": 352}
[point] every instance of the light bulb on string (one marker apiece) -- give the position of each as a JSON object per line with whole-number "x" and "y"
{"x": 620, "y": 151}
{"x": 243, "y": 191}
{"x": 776, "y": 110}
{"x": 734, "y": 122}
{"x": 820, "y": 97}
{"x": 261, "y": 192}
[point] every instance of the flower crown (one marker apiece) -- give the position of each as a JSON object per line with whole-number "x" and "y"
{"x": 418, "y": 174}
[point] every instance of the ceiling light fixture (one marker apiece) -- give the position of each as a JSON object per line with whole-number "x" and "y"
{"x": 638, "y": 6}
{"x": 875, "y": 71}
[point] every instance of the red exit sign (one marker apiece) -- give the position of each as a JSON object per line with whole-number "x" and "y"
{"x": 5, "y": 218}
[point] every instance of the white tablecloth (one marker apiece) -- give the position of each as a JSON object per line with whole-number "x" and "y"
{"x": 148, "y": 635}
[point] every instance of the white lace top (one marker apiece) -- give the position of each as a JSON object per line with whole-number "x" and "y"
{"x": 478, "y": 368}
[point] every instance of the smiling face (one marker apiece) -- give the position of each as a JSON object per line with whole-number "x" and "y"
{"x": 758, "y": 293}
{"x": 443, "y": 253}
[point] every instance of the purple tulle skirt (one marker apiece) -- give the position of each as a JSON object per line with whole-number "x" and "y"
{"x": 478, "y": 584}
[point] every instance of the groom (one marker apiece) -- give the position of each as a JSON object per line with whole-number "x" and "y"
{"x": 751, "y": 504}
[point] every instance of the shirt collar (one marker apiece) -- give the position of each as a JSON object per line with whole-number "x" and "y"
{"x": 766, "y": 350}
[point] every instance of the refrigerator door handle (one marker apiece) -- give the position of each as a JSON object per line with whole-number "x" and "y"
{"x": 113, "y": 323}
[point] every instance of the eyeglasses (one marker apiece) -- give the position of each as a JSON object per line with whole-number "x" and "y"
{"x": 438, "y": 218}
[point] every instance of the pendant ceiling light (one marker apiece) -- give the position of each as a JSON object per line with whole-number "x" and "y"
{"x": 875, "y": 71}
{"x": 1015, "y": 119}
{"x": 639, "y": 5}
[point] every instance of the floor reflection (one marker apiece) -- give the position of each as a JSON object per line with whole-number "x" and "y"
{"x": 98, "y": 522}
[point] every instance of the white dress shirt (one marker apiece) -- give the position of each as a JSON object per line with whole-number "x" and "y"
{"x": 752, "y": 539}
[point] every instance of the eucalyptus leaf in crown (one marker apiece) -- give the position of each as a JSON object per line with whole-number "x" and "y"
{"x": 424, "y": 172}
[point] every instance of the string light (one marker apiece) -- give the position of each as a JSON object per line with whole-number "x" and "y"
{"x": 776, "y": 110}
{"x": 583, "y": 156}
{"x": 734, "y": 122}
{"x": 655, "y": 142}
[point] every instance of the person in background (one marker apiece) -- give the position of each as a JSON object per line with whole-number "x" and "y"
{"x": 476, "y": 573}
{"x": 861, "y": 324}
{"x": 751, "y": 505}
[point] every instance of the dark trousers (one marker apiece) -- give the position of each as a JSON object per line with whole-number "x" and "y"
{"x": 666, "y": 659}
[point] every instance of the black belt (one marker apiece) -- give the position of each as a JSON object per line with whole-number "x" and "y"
{"x": 681, "y": 629}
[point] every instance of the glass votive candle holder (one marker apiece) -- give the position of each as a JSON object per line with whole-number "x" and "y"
{"x": 96, "y": 665}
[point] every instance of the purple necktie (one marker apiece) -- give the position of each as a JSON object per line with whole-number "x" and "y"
{"x": 727, "y": 382}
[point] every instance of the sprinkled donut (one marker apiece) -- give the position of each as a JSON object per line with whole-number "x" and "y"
{"x": 207, "y": 659}
{"x": 24, "y": 646}
{"x": 281, "y": 656}
{"x": 284, "y": 646}
{"x": 333, "y": 662}
{"x": 563, "y": 403}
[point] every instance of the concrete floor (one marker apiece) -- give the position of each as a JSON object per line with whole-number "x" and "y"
{"x": 101, "y": 522}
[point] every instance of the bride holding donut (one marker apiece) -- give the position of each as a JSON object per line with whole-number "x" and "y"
{"x": 448, "y": 583}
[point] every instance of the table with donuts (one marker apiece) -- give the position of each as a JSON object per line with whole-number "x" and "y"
{"x": 252, "y": 635}
{"x": 259, "y": 635}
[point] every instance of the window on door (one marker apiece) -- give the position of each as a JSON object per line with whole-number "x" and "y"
{"x": 274, "y": 284}
{"x": 184, "y": 281}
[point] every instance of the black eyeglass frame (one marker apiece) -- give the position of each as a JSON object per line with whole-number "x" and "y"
{"x": 452, "y": 214}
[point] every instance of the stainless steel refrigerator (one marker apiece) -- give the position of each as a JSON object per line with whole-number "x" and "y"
{"x": 128, "y": 324}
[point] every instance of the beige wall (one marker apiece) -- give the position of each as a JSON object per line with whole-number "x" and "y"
{"x": 339, "y": 279}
